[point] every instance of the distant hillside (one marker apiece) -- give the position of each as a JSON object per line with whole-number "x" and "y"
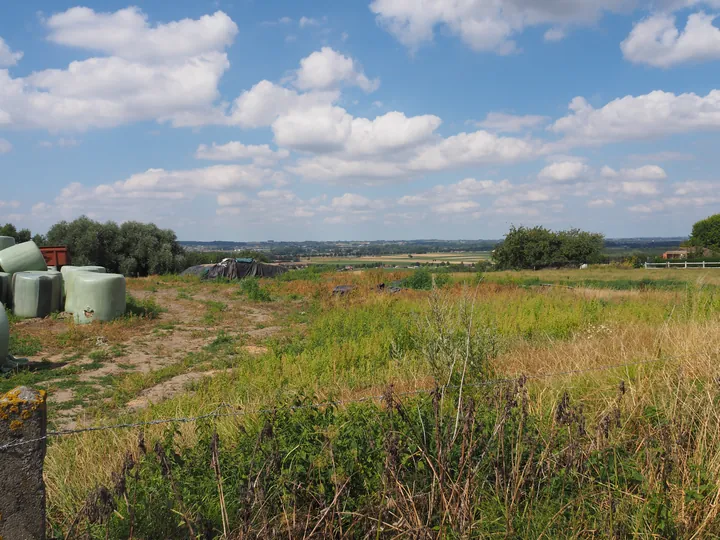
{"x": 283, "y": 250}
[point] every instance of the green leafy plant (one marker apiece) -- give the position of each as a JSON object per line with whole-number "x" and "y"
{"x": 423, "y": 279}
{"x": 250, "y": 287}
{"x": 146, "y": 308}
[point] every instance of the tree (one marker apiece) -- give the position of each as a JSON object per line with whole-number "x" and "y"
{"x": 580, "y": 246}
{"x": 538, "y": 247}
{"x": 89, "y": 242}
{"x": 706, "y": 233}
{"x": 23, "y": 235}
{"x": 40, "y": 240}
{"x": 146, "y": 249}
{"x": 133, "y": 248}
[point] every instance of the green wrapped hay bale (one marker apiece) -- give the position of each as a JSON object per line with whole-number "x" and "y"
{"x": 5, "y": 289}
{"x": 6, "y": 242}
{"x": 56, "y": 278}
{"x": 4, "y": 334}
{"x": 68, "y": 278}
{"x": 21, "y": 258}
{"x": 32, "y": 295}
{"x": 96, "y": 269}
{"x": 97, "y": 297}
{"x": 61, "y": 288}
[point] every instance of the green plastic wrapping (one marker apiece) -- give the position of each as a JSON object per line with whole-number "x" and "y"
{"x": 4, "y": 335}
{"x": 21, "y": 258}
{"x": 97, "y": 297}
{"x": 96, "y": 269}
{"x": 56, "y": 286}
{"x": 5, "y": 289}
{"x": 68, "y": 280}
{"x": 61, "y": 288}
{"x": 32, "y": 294}
{"x": 6, "y": 242}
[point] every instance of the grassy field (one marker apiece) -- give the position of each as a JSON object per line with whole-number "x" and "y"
{"x": 466, "y": 257}
{"x": 606, "y": 276}
{"x": 510, "y": 409}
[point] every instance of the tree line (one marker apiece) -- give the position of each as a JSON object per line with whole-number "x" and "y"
{"x": 141, "y": 249}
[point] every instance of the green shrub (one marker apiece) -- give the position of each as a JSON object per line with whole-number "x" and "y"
{"x": 146, "y": 308}
{"x": 251, "y": 288}
{"x": 423, "y": 280}
{"x": 381, "y": 460}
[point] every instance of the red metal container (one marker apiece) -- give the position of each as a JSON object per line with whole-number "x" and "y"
{"x": 57, "y": 256}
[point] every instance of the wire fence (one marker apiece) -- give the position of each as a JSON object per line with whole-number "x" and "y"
{"x": 222, "y": 410}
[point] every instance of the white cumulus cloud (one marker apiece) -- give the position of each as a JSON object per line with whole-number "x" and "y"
{"x": 639, "y": 117}
{"x": 479, "y": 147}
{"x": 486, "y": 25}
{"x": 127, "y": 33}
{"x": 7, "y": 56}
{"x": 327, "y": 68}
{"x": 564, "y": 171}
{"x": 266, "y": 101}
{"x": 169, "y": 72}
{"x": 656, "y": 41}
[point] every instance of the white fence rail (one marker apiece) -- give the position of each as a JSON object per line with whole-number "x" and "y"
{"x": 683, "y": 264}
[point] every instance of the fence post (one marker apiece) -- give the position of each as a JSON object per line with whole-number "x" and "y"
{"x": 23, "y": 417}
{"x": 668, "y": 264}
{"x": 703, "y": 264}
{"x": 685, "y": 264}
{"x": 645, "y": 265}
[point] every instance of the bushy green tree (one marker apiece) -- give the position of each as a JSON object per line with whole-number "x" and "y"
{"x": 88, "y": 241}
{"x": 133, "y": 248}
{"x": 23, "y": 235}
{"x": 538, "y": 247}
{"x": 706, "y": 233}
{"x": 40, "y": 240}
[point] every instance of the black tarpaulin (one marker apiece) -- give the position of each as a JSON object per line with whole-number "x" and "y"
{"x": 236, "y": 269}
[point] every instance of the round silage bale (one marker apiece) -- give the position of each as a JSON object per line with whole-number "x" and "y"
{"x": 6, "y": 242}
{"x": 5, "y": 289}
{"x": 96, "y": 269}
{"x": 21, "y": 258}
{"x": 97, "y": 297}
{"x": 4, "y": 335}
{"x": 56, "y": 278}
{"x": 32, "y": 294}
{"x": 68, "y": 275}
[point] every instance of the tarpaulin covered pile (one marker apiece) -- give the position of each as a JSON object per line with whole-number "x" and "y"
{"x": 235, "y": 269}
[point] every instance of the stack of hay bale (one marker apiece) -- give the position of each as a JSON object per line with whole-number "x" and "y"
{"x": 34, "y": 290}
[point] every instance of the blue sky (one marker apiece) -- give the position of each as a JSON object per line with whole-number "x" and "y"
{"x": 373, "y": 119}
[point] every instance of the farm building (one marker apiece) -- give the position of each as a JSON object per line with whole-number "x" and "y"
{"x": 685, "y": 253}
{"x": 676, "y": 254}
